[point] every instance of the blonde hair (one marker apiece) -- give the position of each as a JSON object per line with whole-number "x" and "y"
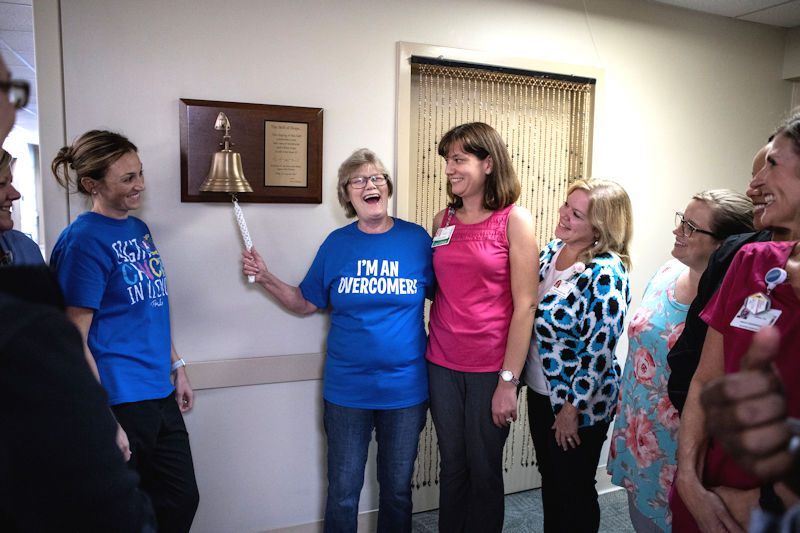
{"x": 611, "y": 216}
{"x": 502, "y": 187}
{"x": 6, "y": 162}
{"x": 89, "y": 157}
{"x": 359, "y": 158}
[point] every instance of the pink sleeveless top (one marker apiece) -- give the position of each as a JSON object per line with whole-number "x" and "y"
{"x": 472, "y": 309}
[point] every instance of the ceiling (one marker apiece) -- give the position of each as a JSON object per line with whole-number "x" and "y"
{"x": 783, "y": 13}
{"x": 16, "y": 35}
{"x": 16, "y": 47}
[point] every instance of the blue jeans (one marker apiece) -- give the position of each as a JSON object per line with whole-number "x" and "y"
{"x": 471, "y": 446}
{"x": 349, "y": 432}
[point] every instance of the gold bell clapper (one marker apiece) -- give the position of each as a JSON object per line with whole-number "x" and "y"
{"x": 226, "y": 175}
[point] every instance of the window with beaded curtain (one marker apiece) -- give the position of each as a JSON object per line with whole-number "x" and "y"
{"x": 546, "y": 121}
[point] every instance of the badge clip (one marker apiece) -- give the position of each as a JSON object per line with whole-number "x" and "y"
{"x": 774, "y": 277}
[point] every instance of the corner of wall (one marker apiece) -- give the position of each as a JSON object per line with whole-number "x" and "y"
{"x": 50, "y": 95}
{"x": 791, "y": 57}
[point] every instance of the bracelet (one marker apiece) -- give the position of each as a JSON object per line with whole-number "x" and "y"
{"x": 177, "y": 364}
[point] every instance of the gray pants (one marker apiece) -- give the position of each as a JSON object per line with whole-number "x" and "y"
{"x": 471, "y": 447}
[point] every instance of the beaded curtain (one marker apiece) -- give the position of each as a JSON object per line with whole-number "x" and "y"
{"x": 546, "y": 124}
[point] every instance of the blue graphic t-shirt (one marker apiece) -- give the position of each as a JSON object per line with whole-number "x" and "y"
{"x": 113, "y": 267}
{"x": 375, "y": 285}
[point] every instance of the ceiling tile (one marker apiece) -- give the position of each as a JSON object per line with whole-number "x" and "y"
{"x": 17, "y": 40}
{"x": 728, "y": 8}
{"x": 786, "y": 15}
{"x": 14, "y": 16}
{"x": 782, "y": 13}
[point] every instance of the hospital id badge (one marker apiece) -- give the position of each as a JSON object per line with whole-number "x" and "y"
{"x": 746, "y": 319}
{"x": 563, "y": 288}
{"x": 443, "y": 236}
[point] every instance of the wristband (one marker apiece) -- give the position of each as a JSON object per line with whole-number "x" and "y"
{"x": 177, "y": 364}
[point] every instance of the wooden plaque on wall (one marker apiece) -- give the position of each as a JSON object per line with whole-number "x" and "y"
{"x": 281, "y": 149}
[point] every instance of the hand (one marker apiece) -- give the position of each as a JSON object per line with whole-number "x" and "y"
{"x": 707, "y": 508}
{"x": 746, "y": 411}
{"x": 123, "y": 444}
{"x": 740, "y": 503}
{"x": 504, "y": 403}
{"x": 253, "y": 265}
{"x": 566, "y": 427}
{"x": 184, "y": 394}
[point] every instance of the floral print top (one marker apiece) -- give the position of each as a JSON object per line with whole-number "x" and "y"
{"x": 577, "y": 326}
{"x": 644, "y": 444}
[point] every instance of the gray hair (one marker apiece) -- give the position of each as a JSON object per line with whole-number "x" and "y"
{"x": 359, "y": 158}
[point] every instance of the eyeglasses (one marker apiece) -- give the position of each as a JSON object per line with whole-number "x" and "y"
{"x": 18, "y": 92}
{"x": 359, "y": 182}
{"x": 691, "y": 227}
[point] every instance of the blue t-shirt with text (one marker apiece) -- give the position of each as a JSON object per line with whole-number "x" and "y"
{"x": 376, "y": 286}
{"x": 113, "y": 267}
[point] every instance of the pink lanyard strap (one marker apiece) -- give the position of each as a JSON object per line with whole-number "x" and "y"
{"x": 450, "y": 213}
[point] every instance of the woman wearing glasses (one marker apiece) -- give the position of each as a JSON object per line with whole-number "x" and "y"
{"x": 17, "y": 93}
{"x": 15, "y": 247}
{"x": 374, "y": 275}
{"x": 643, "y": 454}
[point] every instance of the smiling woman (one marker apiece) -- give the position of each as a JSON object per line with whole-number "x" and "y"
{"x": 121, "y": 189}
{"x": 572, "y": 371}
{"x": 484, "y": 258}
{"x": 712, "y": 490}
{"x": 374, "y": 275}
{"x": 643, "y": 453}
{"x": 778, "y": 183}
{"x": 116, "y": 294}
{"x": 15, "y": 247}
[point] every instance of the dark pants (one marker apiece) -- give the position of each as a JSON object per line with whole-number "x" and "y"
{"x": 349, "y": 432}
{"x": 569, "y": 497}
{"x": 160, "y": 454}
{"x": 471, "y": 449}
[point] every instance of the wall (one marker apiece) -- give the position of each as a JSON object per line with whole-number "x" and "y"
{"x": 688, "y": 98}
{"x": 791, "y": 60}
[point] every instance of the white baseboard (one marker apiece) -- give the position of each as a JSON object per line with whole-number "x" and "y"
{"x": 604, "y": 484}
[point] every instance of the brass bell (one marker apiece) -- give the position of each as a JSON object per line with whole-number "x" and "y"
{"x": 226, "y": 174}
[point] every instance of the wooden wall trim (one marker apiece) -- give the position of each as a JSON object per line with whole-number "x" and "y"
{"x": 255, "y": 370}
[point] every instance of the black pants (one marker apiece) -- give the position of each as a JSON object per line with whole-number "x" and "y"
{"x": 569, "y": 497}
{"x": 161, "y": 455}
